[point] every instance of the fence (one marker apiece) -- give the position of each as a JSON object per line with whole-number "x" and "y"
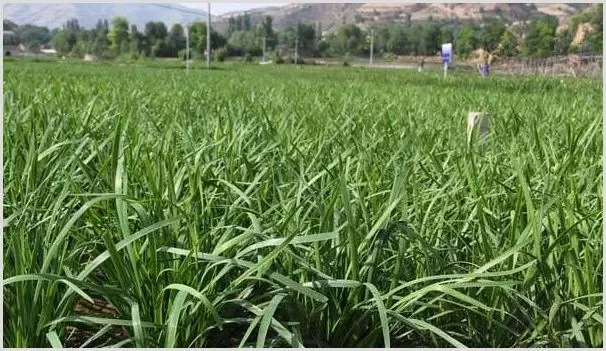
{"x": 571, "y": 65}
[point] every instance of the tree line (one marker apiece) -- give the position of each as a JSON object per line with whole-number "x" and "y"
{"x": 537, "y": 38}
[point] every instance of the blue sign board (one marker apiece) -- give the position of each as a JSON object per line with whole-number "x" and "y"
{"x": 447, "y": 53}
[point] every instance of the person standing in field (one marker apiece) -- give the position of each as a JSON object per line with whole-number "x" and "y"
{"x": 484, "y": 68}
{"x": 421, "y": 64}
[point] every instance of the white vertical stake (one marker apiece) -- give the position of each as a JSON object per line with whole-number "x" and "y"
{"x": 445, "y": 69}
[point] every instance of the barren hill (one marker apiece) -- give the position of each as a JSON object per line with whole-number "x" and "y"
{"x": 329, "y": 16}
{"x": 54, "y": 15}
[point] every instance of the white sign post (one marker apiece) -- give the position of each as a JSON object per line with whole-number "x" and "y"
{"x": 446, "y": 56}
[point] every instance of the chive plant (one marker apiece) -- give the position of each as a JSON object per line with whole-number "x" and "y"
{"x": 251, "y": 207}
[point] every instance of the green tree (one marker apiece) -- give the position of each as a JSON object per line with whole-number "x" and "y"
{"x": 265, "y": 30}
{"x": 491, "y": 34}
{"x": 118, "y": 36}
{"x": 176, "y": 39}
{"x": 446, "y": 36}
{"x": 137, "y": 41}
{"x": 562, "y": 42}
{"x": 65, "y": 39}
{"x": 509, "y": 44}
{"x": 28, "y": 34}
{"x": 596, "y": 37}
{"x": 431, "y": 39}
{"x": 9, "y": 25}
{"x": 245, "y": 42}
{"x": 323, "y": 47}
{"x": 415, "y": 39}
{"x": 73, "y": 29}
{"x": 72, "y": 25}
{"x": 100, "y": 44}
{"x": 381, "y": 39}
{"x": 246, "y": 23}
{"x": 61, "y": 42}
{"x": 348, "y": 38}
{"x": 197, "y": 37}
{"x": 157, "y": 40}
{"x": 398, "y": 42}
{"x": 267, "y": 25}
{"x": 541, "y": 37}
{"x": 231, "y": 26}
{"x": 287, "y": 37}
{"x": 307, "y": 38}
{"x": 155, "y": 31}
{"x": 84, "y": 42}
{"x": 239, "y": 24}
{"x": 466, "y": 40}
{"x": 34, "y": 46}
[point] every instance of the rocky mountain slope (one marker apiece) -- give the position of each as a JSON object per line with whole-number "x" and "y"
{"x": 325, "y": 15}
{"x": 329, "y": 16}
{"x": 54, "y": 15}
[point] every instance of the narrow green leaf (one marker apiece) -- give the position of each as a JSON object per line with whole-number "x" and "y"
{"x": 268, "y": 314}
{"x": 53, "y": 339}
{"x": 173, "y": 319}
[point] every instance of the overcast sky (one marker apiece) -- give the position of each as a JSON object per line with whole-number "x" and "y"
{"x": 219, "y": 8}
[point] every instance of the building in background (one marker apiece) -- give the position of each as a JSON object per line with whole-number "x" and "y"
{"x": 11, "y": 44}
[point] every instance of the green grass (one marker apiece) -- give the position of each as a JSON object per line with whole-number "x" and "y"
{"x": 275, "y": 206}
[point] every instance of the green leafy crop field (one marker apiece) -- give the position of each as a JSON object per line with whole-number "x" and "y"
{"x": 275, "y": 206}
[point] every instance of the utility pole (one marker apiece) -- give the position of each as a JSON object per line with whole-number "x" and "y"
{"x": 264, "y": 40}
{"x": 208, "y": 39}
{"x": 372, "y": 46}
{"x": 187, "y": 52}
{"x": 296, "y": 49}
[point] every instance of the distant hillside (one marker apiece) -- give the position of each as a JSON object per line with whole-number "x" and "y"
{"x": 55, "y": 15}
{"x": 329, "y": 16}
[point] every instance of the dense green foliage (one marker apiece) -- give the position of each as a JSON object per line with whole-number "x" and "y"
{"x": 540, "y": 37}
{"x": 243, "y": 36}
{"x": 255, "y": 206}
{"x": 28, "y": 33}
{"x": 594, "y": 40}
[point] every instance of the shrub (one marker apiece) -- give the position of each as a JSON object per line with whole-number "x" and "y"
{"x": 278, "y": 59}
{"x": 233, "y": 51}
{"x": 182, "y": 54}
{"x": 291, "y": 60}
{"x": 248, "y": 57}
{"x": 125, "y": 57}
{"x": 346, "y": 60}
{"x": 389, "y": 56}
{"x": 193, "y": 55}
{"x": 221, "y": 54}
{"x": 134, "y": 55}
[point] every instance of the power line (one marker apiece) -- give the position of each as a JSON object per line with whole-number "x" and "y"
{"x": 208, "y": 30}
{"x": 191, "y": 12}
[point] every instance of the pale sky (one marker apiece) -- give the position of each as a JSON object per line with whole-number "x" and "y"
{"x": 219, "y": 8}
